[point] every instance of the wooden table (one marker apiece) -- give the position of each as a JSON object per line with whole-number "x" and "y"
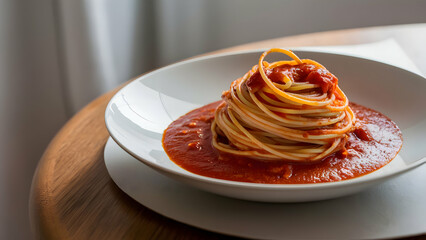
{"x": 73, "y": 197}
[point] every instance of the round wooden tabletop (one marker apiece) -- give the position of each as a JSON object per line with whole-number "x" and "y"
{"x": 73, "y": 197}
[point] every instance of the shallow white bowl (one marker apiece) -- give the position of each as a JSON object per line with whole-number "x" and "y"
{"x": 139, "y": 113}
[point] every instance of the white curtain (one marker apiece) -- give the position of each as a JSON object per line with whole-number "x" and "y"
{"x": 32, "y": 108}
{"x": 106, "y": 42}
{"x": 58, "y": 55}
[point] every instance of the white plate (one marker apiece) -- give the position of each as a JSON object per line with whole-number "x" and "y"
{"x": 393, "y": 209}
{"x": 139, "y": 113}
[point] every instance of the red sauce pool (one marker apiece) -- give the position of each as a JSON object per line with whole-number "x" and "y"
{"x": 375, "y": 142}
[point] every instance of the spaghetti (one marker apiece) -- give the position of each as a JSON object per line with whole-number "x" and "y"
{"x": 285, "y": 110}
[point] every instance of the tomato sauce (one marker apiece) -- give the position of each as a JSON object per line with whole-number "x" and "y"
{"x": 299, "y": 73}
{"x": 375, "y": 141}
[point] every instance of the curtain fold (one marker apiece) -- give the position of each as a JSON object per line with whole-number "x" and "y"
{"x": 104, "y": 43}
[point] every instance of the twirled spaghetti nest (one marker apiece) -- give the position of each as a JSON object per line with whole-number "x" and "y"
{"x": 286, "y": 118}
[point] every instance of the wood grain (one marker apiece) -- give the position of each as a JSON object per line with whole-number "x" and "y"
{"x": 73, "y": 196}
